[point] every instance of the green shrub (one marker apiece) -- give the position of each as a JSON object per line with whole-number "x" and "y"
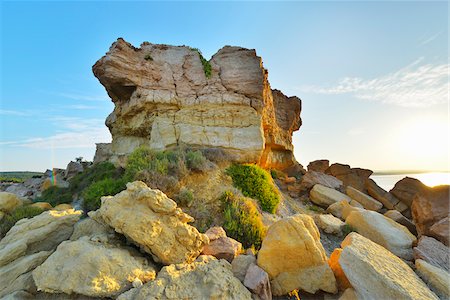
{"x": 55, "y": 195}
{"x": 185, "y": 197}
{"x": 11, "y": 179}
{"x": 95, "y": 173}
{"x": 206, "y": 64}
{"x": 242, "y": 220}
{"x": 19, "y": 213}
{"x": 195, "y": 161}
{"x": 255, "y": 182}
{"x": 148, "y": 57}
{"x": 105, "y": 187}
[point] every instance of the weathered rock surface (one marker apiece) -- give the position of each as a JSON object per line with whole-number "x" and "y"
{"x": 430, "y": 207}
{"x": 320, "y": 165}
{"x": 325, "y": 196}
{"x": 440, "y": 230}
{"x": 406, "y": 189}
{"x": 373, "y": 271}
{"x": 399, "y": 218}
{"x": 387, "y": 199}
{"x": 257, "y": 281}
{"x": 92, "y": 229}
{"x": 206, "y": 278}
{"x": 365, "y": 200}
{"x": 341, "y": 279}
{"x": 158, "y": 226}
{"x": 354, "y": 177}
{"x": 329, "y": 223}
{"x": 433, "y": 252}
{"x": 92, "y": 269}
{"x": 8, "y": 202}
{"x": 383, "y": 231}
{"x": 435, "y": 277}
{"x": 72, "y": 169}
{"x": 240, "y": 265}
{"x": 341, "y": 209}
{"x": 42, "y": 205}
{"x": 221, "y": 246}
{"x": 312, "y": 178}
{"x": 294, "y": 258}
{"x": 28, "y": 243}
{"x": 163, "y": 98}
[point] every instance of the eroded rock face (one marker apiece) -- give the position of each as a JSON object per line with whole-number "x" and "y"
{"x": 206, "y": 278}
{"x": 91, "y": 269}
{"x": 294, "y": 258}
{"x": 163, "y": 99}
{"x": 375, "y": 272}
{"x": 154, "y": 223}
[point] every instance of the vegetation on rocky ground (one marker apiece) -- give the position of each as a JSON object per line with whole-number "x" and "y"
{"x": 55, "y": 195}
{"x": 206, "y": 64}
{"x": 17, "y": 214}
{"x": 17, "y": 177}
{"x": 346, "y": 229}
{"x": 255, "y": 182}
{"x": 242, "y": 220}
{"x": 105, "y": 187}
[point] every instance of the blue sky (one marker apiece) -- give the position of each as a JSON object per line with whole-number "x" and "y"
{"x": 372, "y": 76}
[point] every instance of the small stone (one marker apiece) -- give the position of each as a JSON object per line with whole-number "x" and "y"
{"x": 257, "y": 281}
{"x": 330, "y": 224}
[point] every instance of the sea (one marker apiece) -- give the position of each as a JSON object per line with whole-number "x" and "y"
{"x": 430, "y": 179}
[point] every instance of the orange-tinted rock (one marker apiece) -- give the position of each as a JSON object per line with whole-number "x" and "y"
{"x": 407, "y": 188}
{"x": 440, "y": 230}
{"x": 374, "y": 190}
{"x": 354, "y": 177}
{"x": 339, "y": 274}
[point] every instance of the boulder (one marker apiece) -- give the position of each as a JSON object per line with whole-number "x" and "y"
{"x": 435, "y": 277}
{"x": 92, "y": 229}
{"x": 341, "y": 279}
{"x": 158, "y": 226}
{"x": 28, "y": 243}
{"x": 341, "y": 209}
{"x": 356, "y": 204}
{"x": 72, "y": 169}
{"x": 387, "y": 199}
{"x": 294, "y": 258}
{"x": 399, "y": 218}
{"x": 91, "y": 269}
{"x": 329, "y": 224}
{"x": 365, "y": 200}
{"x": 205, "y": 278}
{"x": 231, "y": 108}
{"x": 240, "y": 265}
{"x": 433, "y": 252}
{"x": 221, "y": 246}
{"x": 430, "y": 207}
{"x": 325, "y": 196}
{"x": 373, "y": 271}
{"x": 354, "y": 177}
{"x": 42, "y": 205}
{"x": 383, "y": 231}
{"x": 8, "y": 202}
{"x": 312, "y": 178}
{"x": 319, "y": 165}
{"x": 257, "y": 281}
{"x": 406, "y": 189}
{"x": 349, "y": 294}
{"x": 63, "y": 206}
{"x": 440, "y": 230}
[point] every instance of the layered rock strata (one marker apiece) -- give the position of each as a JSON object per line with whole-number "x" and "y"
{"x": 164, "y": 98}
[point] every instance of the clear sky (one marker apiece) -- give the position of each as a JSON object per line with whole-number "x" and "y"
{"x": 373, "y": 76}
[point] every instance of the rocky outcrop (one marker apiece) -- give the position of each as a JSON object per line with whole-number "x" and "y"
{"x": 28, "y": 243}
{"x": 319, "y": 165}
{"x": 365, "y": 200}
{"x": 294, "y": 258}
{"x": 206, "y": 278}
{"x": 383, "y": 231}
{"x": 163, "y": 98}
{"x": 433, "y": 252}
{"x": 435, "y": 277}
{"x": 428, "y": 208}
{"x": 312, "y": 178}
{"x": 325, "y": 196}
{"x": 221, "y": 246}
{"x": 158, "y": 226}
{"x": 401, "y": 219}
{"x": 91, "y": 269}
{"x": 375, "y": 272}
{"x": 354, "y": 177}
{"x": 72, "y": 169}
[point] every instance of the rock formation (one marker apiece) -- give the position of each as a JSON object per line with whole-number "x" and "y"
{"x": 164, "y": 98}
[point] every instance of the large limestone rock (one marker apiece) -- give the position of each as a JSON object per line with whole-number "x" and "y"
{"x": 91, "y": 269}
{"x": 163, "y": 98}
{"x": 294, "y": 258}
{"x": 383, "y": 231}
{"x": 428, "y": 208}
{"x": 365, "y": 200}
{"x": 206, "y": 278}
{"x": 157, "y": 225}
{"x": 387, "y": 199}
{"x": 375, "y": 273}
{"x": 436, "y": 277}
{"x": 354, "y": 177}
{"x": 319, "y": 165}
{"x": 28, "y": 243}
{"x": 312, "y": 178}
{"x": 8, "y": 202}
{"x": 433, "y": 252}
{"x": 325, "y": 196}
{"x": 401, "y": 219}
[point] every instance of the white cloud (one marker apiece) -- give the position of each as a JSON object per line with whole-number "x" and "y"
{"x": 430, "y": 39}
{"x": 14, "y": 113}
{"x": 75, "y": 133}
{"x": 416, "y": 85}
